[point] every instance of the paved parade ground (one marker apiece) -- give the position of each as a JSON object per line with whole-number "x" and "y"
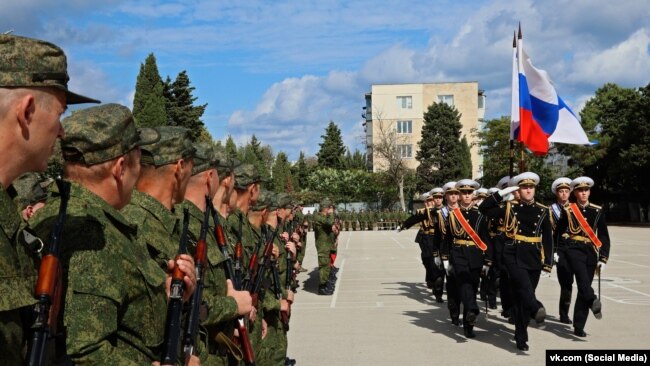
{"x": 382, "y": 313}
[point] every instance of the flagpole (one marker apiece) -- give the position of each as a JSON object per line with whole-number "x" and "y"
{"x": 514, "y": 110}
{"x": 522, "y": 167}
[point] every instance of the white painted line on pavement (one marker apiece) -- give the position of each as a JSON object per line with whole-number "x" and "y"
{"x": 629, "y": 289}
{"x": 347, "y": 243}
{"x": 338, "y": 285}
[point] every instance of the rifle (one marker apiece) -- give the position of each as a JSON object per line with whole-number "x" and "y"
{"x": 201, "y": 263}
{"x": 239, "y": 251}
{"x": 175, "y": 305}
{"x": 244, "y": 340}
{"x": 253, "y": 262}
{"x": 265, "y": 262}
{"x": 49, "y": 286}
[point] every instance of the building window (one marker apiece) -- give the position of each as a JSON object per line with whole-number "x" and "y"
{"x": 481, "y": 101}
{"x": 405, "y": 102}
{"x": 404, "y": 126}
{"x": 448, "y": 99}
{"x": 405, "y": 151}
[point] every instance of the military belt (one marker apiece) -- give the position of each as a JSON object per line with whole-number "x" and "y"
{"x": 525, "y": 239}
{"x": 463, "y": 242}
{"x": 580, "y": 238}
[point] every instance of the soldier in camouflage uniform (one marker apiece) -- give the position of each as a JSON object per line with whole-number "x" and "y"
{"x": 114, "y": 291}
{"x": 325, "y": 233}
{"x": 33, "y": 96}
{"x": 222, "y": 303}
{"x": 166, "y": 169}
{"x": 32, "y": 193}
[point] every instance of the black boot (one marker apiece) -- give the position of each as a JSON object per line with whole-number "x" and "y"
{"x": 469, "y": 331}
{"x": 324, "y": 290}
{"x": 565, "y": 304}
{"x": 522, "y": 346}
{"x": 596, "y": 308}
{"x": 289, "y": 361}
{"x": 579, "y": 332}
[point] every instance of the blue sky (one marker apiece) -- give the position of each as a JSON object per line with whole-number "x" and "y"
{"x": 283, "y": 69}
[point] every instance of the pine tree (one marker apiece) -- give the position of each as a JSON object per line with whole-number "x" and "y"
{"x": 300, "y": 173}
{"x": 181, "y": 108}
{"x": 441, "y": 150}
{"x": 149, "y": 102}
{"x": 231, "y": 148}
{"x": 332, "y": 149}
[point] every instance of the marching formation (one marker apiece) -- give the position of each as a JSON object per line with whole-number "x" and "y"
{"x": 152, "y": 249}
{"x": 501, "y": 241}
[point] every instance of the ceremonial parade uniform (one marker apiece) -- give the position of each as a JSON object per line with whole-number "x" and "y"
{"x": 528, "y": 249}
{"x": 464, "y": 246}
{"x": 586, "y": 246}
{"x": 564, "y": 273}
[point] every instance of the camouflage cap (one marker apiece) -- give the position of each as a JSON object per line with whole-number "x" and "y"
{"x": 30, "y": 188}
{"x": 263, "y": 201}
{"x": 226, "y": 164}
{"x": 98, "y": 134}
{"x": 174, "y": 144}
{"x": 326, "y": 202}
{"x": 28, "y": 62}
{"x": 245, "y": 175}
{"x": 204, "y": 158}
{"x": 284, "y": 200}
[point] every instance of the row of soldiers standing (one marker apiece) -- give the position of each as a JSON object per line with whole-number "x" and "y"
{"x": 129, "y": 219}
{"x": 507, "y": 239}
{"x": 370, "y": 220}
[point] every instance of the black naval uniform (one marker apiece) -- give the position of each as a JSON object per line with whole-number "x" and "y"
{"x": 427, "y": 218}
{"x": 498, "y": 276}
{"x": 564, "y": 272}
{"x": 467, "y": 260}
{"x": 583, "y": 256}
{"x": 528, "y": 248}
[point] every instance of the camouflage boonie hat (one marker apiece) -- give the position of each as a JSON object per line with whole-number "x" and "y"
{"x": 30, "y": 189}
{"x": 174, "y": 144}
{"x": 204, "y": 158}
{"x": 98, "y": 134}
{"x": 28, "y": 62}
{"x": 245, "y": 175}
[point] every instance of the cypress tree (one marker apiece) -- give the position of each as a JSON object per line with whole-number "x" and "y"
{"x": 181, "y": 108}
{"x": 149, "y": 101}
{"x": 332, "y": 149}
{"x": 281, "y": 172}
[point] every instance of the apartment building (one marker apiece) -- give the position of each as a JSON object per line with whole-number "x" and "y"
{"x": 401, "y": 107}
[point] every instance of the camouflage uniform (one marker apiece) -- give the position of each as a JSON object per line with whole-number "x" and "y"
{"x": 113, "y": 290}
{"x": 324, "y": 242}
{"x": 24, "y": 62}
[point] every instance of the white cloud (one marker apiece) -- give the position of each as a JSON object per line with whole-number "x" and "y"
{"x": 89, "y": 79}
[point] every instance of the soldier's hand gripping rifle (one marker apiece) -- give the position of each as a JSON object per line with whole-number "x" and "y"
{"x": 48, "y": 286}
{"x": 244, "y": 340}
{"x": 175, "y": 304}
{"x": 255, "y": 285}
{"x": 201, "y": 263}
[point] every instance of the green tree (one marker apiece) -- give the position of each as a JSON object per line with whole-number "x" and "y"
{"x": 441, "y": 149}
{"x": 281, "y": 173}
{"x": 300, "y": 173}
{"x": 354, "y": 161}
{"x": 149, "y": 101}
{"x": 181, "y": 109}
{"x": 231, "y": 148}
{"x": 332, "y": 149}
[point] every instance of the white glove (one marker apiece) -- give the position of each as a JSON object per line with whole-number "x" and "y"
{"x": 447, "y": 267}
{"x": 437, "y": 261}
{"x": 506, "y": 193}
{"x": 545, "y": 274}
{"x": 399, "y": 229}
{"x": 600, "y": 266}
{"x": 485, "y": 270}
{"x": 556, "y": 257}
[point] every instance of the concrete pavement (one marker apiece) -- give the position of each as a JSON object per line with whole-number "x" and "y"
{"x": 382, "y": 314}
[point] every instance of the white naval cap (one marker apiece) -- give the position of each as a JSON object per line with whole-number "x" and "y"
{"x": 425, "y": 196}
{"x": 493, "y": 189}
{"x": 525, "y": 178}
{"x": 437, "y": 192}
{"x": 481, "y": 192}
{"x": 582, "y": 182}
{"x": 562, "y": 182}
{"x": 503, "y": 182}
{"x": 467, "y": 185}
{"x": 450, "y": 187}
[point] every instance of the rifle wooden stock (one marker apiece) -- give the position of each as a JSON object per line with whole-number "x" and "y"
{"x": 175, "y": 304}
{"x": 240, "y": 323}
{"x": 48, "y": 287}
{"x": 201, "y": 263}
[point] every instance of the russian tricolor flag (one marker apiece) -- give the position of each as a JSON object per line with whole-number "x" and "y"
{"x": 539, "y": 115}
